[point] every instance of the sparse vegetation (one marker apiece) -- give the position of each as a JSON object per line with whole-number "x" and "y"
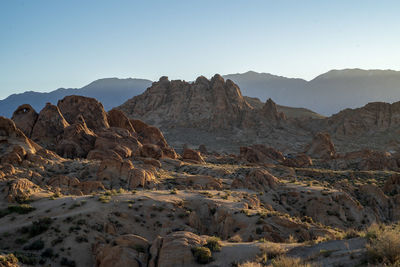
{"x": 202, "y": 254}
{"x": 214, "y": 244}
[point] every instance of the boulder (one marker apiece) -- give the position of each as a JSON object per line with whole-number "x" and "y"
{"x": 192, "y": 155}
{"x": 91, "y": 110}
{"x": 49, "y": 127}
{"x": 261, "y": 154}
{"x": 175, "y": 250}
{"x": 117, "y": 118}
{"x": 25, "y": 118}
{"x": 321, "y": 147}
{"x": 258, "y": 179}
{"x": 21, "y": 190}
{"x": 126, "y": 250}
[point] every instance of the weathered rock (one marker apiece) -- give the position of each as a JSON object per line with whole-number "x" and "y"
{"x": 256, "y": 180}
{"x": 77, "y": 140}
{"x": 151, "y": 135}
{"x": 129, "y": 250}
{"x": 300, "y": 161}
{"x": 21, "y": 190}
{"x": 192, "y": 155}
{"x": 140, "y": 178}
{"x": 261, "y": 154}
{"x": 91, "y": 110}
{"x": 321, "y": 147}
{"x": 25, "y": 118}
{"x": 176, "y": 249}
{"x": 49, "y": 127}
{"x": 151, "y": 151}
{"x": 392, "y": 185}
{"x": 117, "y": 118}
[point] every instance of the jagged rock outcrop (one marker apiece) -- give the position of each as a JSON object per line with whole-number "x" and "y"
{"x": 49, "y": 126}
{"x": 261, "y": 154}
{"x": 116, "y": 118}
{"x": 14, "y": 145}
{"x": 25, "y": 118}
{"x": 91, "y": 110}
{"x": 125, "y": 250}
{"x": 80, "y": 128}
{"x": 205, "y": 104}
{"x": 377, "y": 116}
{"x": 300, "y": 161}
{"x": 256, "y": 180}
{"x": 192, "y": 155}
{"x": 77, "y": 140}
{"x": 175, "y": 250}
{"x": 321, "y": 147}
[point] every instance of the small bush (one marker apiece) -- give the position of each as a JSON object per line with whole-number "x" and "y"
{"x": 284, "y": 261}
{"x": 104, "y": 198}
{"x": 271, "y": 251}
{"x": 35, "y": 245}
{"x": 48, "y": 253}
{"x": 21, "y": 209}
{"x": 202, "y": 254}
{"x": 67, "y": 262}
{"x": 214, "y": 244}
{"x": 26, "y": 258}
{"x": 385, "y": 247}
{"x": 37, "y": 227}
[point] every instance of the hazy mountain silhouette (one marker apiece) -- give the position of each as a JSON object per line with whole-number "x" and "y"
{"x": 111, "y": 92}
{"x": 326, "y": 94}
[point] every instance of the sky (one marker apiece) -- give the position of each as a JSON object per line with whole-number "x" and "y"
{"x": 48, "y": 44}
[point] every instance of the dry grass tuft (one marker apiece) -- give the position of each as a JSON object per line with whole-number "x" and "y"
{"x": 384, "y": 245}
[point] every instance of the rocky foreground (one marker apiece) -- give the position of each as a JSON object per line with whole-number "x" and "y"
{"x": 83, "y": 187}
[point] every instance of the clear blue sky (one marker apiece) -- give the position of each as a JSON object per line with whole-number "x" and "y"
{"x": 47, "y": 44}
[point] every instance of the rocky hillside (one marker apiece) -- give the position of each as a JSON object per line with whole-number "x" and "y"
{"x": 80, "y": 186}
{"x": 214, "y": 112}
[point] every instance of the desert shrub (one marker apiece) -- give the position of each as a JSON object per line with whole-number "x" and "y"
{"x": 202, "y": 254}
{"x": 213, "y": 243}
{"x": 37, "y": 227}
{"x": 271, "y": 250}
{"x": 104, "y": 198}
{"x": 48, "y": 253}
{"x": 21, "y": 209}
{"x": 284, "y": 261}
{"x": 384, "y": 247}
{"x": 26, "y": 258}
{"x": 35, "y": 245}
{"x": 67, "y": 262}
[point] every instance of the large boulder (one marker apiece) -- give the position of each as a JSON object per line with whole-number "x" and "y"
{"x": 25, "y": 118}
{"x": 91, "y": 110}
{"x": 127, "y": 250}
{"x": 77, "y": 140}
{"x": 14, "y": 145}
{"x": 150, "y": 135}
{"x": 192, "y": 155}
{"x": 261, "y": 154}
{"x": 258, "y": 179}
{"x": 321, "y": 147}
{"x": 21, "y": 190}
{"x": 175, "y": 250}
{"x": 49, "y": 127}
{"x": 117, "y": 118}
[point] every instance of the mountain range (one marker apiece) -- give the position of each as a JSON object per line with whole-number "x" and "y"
{"x": 326, "y": 94}
{"x": 110, "y": 91}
